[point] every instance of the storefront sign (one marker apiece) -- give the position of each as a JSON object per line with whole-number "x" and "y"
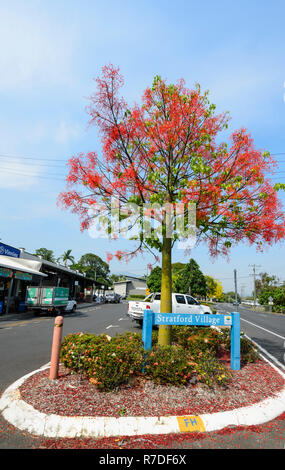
{"x": 23, "y": 276}
{"x": 6, "y": 250}
{"x": 5, "y": 272}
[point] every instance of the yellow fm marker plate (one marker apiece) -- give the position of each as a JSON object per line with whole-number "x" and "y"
{"x": 190, "y": 424}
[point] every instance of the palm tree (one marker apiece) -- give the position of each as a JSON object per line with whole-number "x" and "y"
{"x": 67, "y": 257}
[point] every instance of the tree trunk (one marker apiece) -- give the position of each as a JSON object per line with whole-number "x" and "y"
{"x": 164, "y": 333}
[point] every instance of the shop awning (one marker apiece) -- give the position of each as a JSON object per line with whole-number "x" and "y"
{"x": 21, "y": 265}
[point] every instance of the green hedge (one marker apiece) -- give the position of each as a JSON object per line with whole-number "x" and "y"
{"x": 192, "y": 356}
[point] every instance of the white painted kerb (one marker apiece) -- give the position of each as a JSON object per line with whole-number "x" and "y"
{"x": 23, "y": 416}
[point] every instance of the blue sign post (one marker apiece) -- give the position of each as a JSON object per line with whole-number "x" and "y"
{"x": 192, "y": 319}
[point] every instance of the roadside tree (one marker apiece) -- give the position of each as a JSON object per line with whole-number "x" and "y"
{"x": 168, "y": 151}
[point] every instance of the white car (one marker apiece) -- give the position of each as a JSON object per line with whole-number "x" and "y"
{"x": 71, "y": 306}
{"x": 181, "y": 303}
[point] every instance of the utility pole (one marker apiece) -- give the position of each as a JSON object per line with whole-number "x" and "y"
{"x": 242, "y": 290}
{"x": 254, "y": 266}
{"x": 235, "y": 277}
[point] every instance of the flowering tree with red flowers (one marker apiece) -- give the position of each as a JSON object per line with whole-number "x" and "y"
{"x": 165, "y": 151}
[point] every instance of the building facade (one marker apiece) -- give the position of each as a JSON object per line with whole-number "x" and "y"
{"x": 20, "y": 269}
{"x": 130, "y": 286}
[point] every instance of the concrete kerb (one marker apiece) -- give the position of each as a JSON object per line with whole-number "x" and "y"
{"x": 24, "y": 417}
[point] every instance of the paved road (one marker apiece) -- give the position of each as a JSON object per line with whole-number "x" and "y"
{"x": 25, "y": 345}
{"x": 266, "y": 329}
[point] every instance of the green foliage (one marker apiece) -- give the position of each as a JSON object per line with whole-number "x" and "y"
{"x": 154, "y": 280}
{"x": 119, "y": 360}
{"x": 211, "y": 286}
{"x": 79, "y": 350}
{"x": 191, "y": 280}
{"x": 229, "y": 297}
{"x": 46, "y": 254}
{"x": 197, "y": 339}
{"x": 94, "y": 267}
{"x": 108, "y": 362}
{"x": 193, "y": 355}
{"x": 210, "y": 370}
{"x": 248, "y": 352}
{"x": 277, "y": 294}
{"x": 136, "y": 297}
{"x": 168, "y": 365}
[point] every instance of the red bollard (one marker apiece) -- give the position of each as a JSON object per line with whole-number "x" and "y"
{"x": 56, "y": 343}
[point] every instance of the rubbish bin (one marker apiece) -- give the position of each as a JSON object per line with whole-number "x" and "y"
{"x": 1, "y": 308}
{"x": 22, "y": 307}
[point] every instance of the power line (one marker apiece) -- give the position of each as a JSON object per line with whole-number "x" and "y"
{"x": 56, "y": 159}
{"x": 18, "y": 170}
{"x": 2, "y": 155}
{"x": 30, "y": 175}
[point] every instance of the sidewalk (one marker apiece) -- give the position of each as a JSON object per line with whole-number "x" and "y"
{"x": 31, "y": 314}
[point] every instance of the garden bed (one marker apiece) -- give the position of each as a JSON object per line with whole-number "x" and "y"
{"x": 74, "y": 395}
{"x": 115, "y": 377}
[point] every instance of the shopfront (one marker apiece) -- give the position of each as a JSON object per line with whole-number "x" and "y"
{"x": 15, "y": 275}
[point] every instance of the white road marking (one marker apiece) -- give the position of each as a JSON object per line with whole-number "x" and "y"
{"x": 257, "y": 326}
{"x": 266, "y": 352}
{"x": 112, "y": 326}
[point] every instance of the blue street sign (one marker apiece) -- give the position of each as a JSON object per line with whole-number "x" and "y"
{"x": 192, "y": 319}
{"x": 6, "y": 250}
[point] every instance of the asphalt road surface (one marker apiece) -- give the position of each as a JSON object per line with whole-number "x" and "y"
{"x": 25, "y": 345}
{"x": 265, "y": 329}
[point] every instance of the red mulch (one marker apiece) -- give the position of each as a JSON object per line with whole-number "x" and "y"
{"x": 71, "y": 395}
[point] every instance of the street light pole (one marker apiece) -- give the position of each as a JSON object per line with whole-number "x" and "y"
{"x": 254, "y": 286}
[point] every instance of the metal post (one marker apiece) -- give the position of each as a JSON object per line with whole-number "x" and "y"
{"x": 147, "y": 332}
{"x": 147, "y": 329}
{"x": 235, "y": 341}
{"x": 56, "y": 343}
{"x": 10, "y": 293}
{"x": 235, "y": 276}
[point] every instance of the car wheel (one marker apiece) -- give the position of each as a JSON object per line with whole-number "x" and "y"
{"x": 73, "y": 308}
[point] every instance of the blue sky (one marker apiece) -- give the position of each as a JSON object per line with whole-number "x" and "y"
{"x": 52, "y": 50}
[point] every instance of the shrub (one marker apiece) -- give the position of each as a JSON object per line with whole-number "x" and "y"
{"x": 116, "y": 363}
{"x": 248, "y": 352}
{"x": 108, "y": 362}
{"x": 78, "y": 349}
{"x": 195, "y": 339}
{"x": 168, "y": 365}
{"x": 193, "y": 355}
{"x": 210, "y": 370}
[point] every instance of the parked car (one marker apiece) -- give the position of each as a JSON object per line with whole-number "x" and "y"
{"x": 181, "y": 303}
{"x": 113, "y": 298}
